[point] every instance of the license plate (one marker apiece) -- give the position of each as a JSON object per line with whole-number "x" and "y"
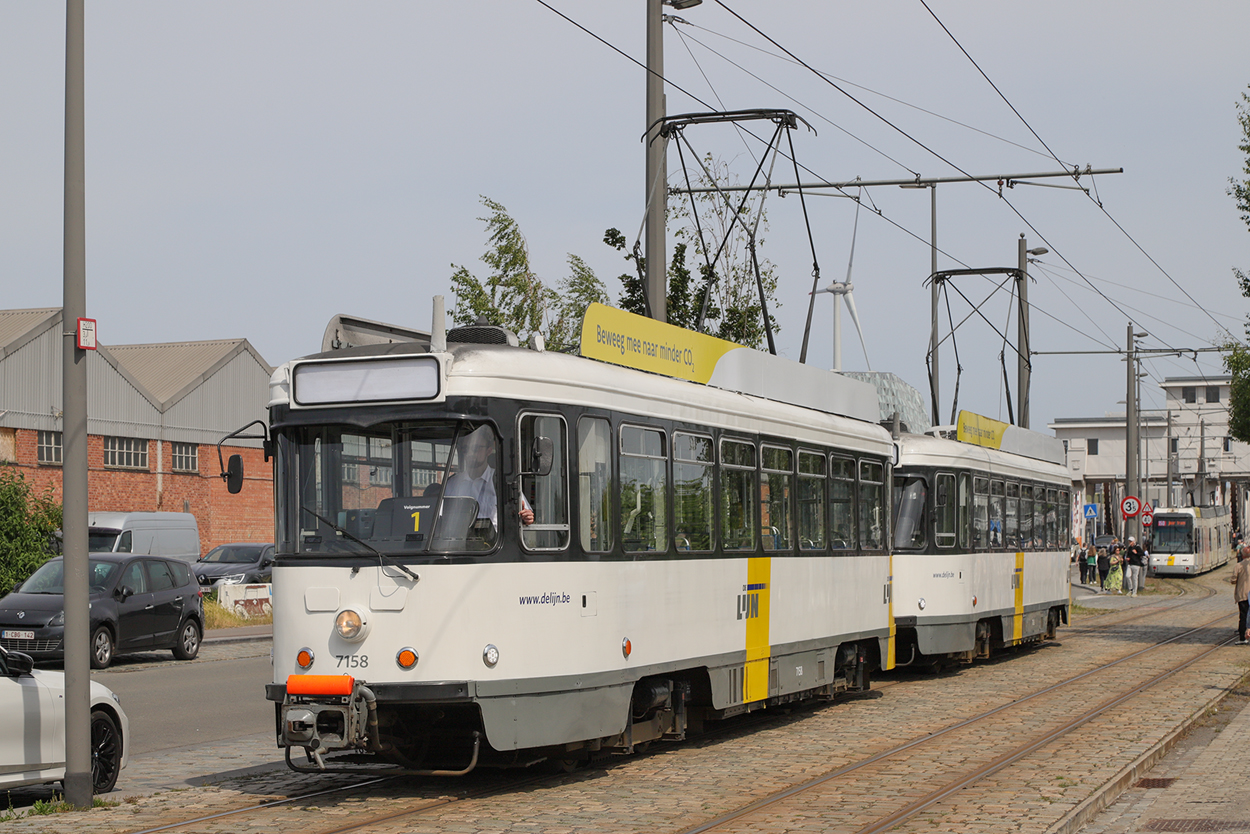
{"x": 17, "y": 635}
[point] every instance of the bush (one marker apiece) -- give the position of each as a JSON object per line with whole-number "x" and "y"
{"x": 27, "y": 524}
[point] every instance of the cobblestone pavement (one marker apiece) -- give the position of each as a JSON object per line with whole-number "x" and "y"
{"x": 677, "y": 786}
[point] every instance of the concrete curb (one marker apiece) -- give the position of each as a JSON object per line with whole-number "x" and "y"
{"x": 1103, "y": 797}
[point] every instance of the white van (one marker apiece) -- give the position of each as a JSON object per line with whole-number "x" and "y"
{"x": 175, "y": 535}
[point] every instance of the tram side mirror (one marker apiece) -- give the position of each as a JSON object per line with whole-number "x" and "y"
{"x": 234, "y": 474}
{"x": 544, "y": 453}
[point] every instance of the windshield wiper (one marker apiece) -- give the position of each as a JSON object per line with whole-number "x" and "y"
{"x": 383, "y": 559}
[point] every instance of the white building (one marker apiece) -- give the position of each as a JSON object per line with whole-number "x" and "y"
{"x": 1187, "y": 457}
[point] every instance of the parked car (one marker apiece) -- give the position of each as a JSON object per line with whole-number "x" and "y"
{"x": 138, "y": 604}
{"x": 32, "y": 746}
{"x": 241, "y": 563}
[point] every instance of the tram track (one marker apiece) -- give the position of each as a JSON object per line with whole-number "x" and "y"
{"x": 773, "y": 806}
{"x": 477, "y": 800}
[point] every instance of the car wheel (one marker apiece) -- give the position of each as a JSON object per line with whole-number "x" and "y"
{"x": 188, "y": 645}
{"x": 101, "y": 648}
{"x": 106, "y": 752}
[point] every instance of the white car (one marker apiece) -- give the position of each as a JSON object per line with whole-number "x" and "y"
{"x": 32, "y": 740}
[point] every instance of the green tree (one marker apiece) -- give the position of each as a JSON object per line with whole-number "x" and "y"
{"x": 27, "y": 522}
{"x": 733, "y": 310}
{"x": 566, "y": 305}
{"x": 1237, "y": 356}
{"x": 513, "y": 296}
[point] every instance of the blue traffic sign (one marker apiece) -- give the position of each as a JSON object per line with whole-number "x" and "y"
{"x": 1091, "y": 511}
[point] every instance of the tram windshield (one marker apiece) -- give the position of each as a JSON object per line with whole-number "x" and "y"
{"x": 391, "y": 488}
{"x": 910, "y": 518}
{"x": 1172, "y": 534}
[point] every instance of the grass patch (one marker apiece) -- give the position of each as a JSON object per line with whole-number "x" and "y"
{"x": 215, "y": 616}
{"x": 55, "y": 805}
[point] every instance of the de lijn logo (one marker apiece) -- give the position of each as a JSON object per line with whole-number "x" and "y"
{"x": 749, "y": 601}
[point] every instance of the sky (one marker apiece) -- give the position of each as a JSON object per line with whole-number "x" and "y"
{"x": 253, "y": 168}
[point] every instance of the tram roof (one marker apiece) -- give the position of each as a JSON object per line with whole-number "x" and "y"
{"x": 927, "y": 450}
{"x": 520, "y": 373}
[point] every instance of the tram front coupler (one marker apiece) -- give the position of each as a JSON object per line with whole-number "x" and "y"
{"x": 327, "y": 713}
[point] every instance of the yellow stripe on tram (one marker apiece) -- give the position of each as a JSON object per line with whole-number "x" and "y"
{"x": 759, "y": 575}
{"x": 1017, "y": 620}
{"x": 891, "y": 653}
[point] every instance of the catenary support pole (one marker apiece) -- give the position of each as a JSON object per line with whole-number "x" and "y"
{"x": 74, "y": 428}
{"x": 657, "y": 197}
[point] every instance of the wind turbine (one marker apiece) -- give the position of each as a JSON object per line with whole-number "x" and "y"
{"x": 838, "y": 289}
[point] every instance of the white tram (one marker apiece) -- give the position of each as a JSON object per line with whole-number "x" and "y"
{"x": 694, "y": 551}
{"x": 981, "y": 558}
{"x": 1190, "y": 540}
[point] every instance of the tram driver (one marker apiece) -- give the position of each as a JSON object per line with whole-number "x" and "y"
{"x": 475, "y": 478}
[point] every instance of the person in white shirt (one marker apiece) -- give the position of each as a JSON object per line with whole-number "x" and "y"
{"x": 476, "y": 477}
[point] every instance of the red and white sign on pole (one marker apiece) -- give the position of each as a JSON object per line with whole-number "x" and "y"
{"x": 1147, "y": 518}
{"x": 1130, "y": 506}
{"x": 85, "y": 335}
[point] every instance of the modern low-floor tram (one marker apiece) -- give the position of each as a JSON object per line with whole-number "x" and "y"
{"x": 1185, "y": 541}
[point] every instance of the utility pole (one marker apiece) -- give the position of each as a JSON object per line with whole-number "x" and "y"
{"x": 1132, "y": 486}
{"x": 1170, "y": 501}
{"x": 657, "y": 165}
{"x": 74, "y": 428}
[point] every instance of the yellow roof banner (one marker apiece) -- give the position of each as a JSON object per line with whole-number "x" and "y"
{"x": 621, "y": 338}
{"x": 981, "y": 431}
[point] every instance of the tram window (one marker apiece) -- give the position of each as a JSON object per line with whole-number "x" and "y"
{"x": 1039, "y": 517}
{"x": 965, "y": 508}
{"x": 811, "y": 501}
{"x": 737, "y": 499}
{"x": 1065, "y": 518}
{"x": 996, "y": 514}
{"x": 1011, "y": 520}
{"x": 693, "y": 466}
{"x": 644, "y": 490}
{"x": 873, "y": 518}
{"x": 1026, "y": 516}
{"x": 842, "y": 500}
{"x": 776, "y": 487}
{"x": 1052, "y": 518}
{"x": 981, "y": 512}
{"x": 910, "y": 512}
{"x": 945, "y": 504}
{"x": 594, "y": 484}
{"x": 546, "y": 493}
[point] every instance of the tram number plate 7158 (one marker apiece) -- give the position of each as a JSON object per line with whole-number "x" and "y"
{"x": 352, "y": 661}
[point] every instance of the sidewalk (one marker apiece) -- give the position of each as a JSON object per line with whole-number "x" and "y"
{"x": 242, "y": 634}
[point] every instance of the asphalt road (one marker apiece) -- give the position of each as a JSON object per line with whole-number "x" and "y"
{"x": 178, "y": 704}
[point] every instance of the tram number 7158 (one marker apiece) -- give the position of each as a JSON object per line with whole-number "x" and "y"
{"x": 352, "y": 661}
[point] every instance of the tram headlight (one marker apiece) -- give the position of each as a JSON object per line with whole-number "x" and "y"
{"x": 351, "y": 625}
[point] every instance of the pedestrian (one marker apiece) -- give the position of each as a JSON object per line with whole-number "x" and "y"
{"x": 1104, "y": 568}
{"x": 1241, "y": 591}
{"x": 1082, "y": 562}
{"x": 1115, "y": 579}
{"x": 1091, "y": 559}
{"x": 1135, "y": 566}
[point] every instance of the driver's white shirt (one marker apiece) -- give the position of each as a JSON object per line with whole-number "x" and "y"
{"x": 480, "y": 489}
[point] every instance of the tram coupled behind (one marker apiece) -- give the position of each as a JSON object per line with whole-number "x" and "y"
{"x": 981, "y": 561}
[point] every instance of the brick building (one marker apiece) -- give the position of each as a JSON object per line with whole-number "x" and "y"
{"x": 154, "y": 416}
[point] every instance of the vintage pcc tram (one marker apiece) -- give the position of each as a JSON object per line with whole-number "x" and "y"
{"x": 981, "y": 558}
{"x": 502, "y": 554}
{"x": 1190, "y": 540}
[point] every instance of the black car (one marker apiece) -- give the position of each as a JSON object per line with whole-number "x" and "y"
{"x": 241, "y": 563}
{"x": 138, "y": 604}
